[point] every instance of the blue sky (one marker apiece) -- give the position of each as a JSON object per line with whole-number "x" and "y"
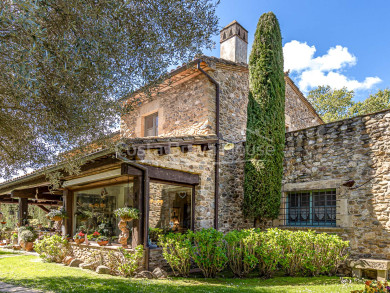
{"x": 341, "y": 43}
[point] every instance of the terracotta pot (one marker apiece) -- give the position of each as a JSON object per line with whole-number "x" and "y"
{"x": 103, "y": 243}
{"x": 126, "y": 219}
{"x": 79, "y": 241}
{"x": 29, "y": 246}
{"x": 56, "y": 218}
{"x": 21, "y": 243}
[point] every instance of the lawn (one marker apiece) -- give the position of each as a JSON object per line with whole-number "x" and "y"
{"x": 30, "y": 271}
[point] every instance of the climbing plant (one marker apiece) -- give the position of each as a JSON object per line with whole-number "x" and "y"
{"x": 265, "y": 124}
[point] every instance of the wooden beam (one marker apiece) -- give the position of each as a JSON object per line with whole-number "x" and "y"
{"x": 68, "y": 205}
{"x": 40, "y": 196}
{"x": 23, "y": 211}
{"x": 137, "y": 234}
{"x": 42, "y": 207}
{"x": 162, "y": 174}
{"x": 186, "y": 148}
{"x": 172, "y": 175}
{"x": 164, "y": 150}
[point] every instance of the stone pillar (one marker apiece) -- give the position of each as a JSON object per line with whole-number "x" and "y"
{"x": 356, "y": 273}
{"x": 381, "y": 275}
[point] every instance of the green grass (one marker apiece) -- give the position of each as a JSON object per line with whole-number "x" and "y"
{"x": 30, "y": 271}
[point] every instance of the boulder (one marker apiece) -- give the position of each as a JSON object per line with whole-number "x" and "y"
{"x": 160, "y": 273}
{"x": 67, "y": 260}
{"x": 75, "y": 263}
{"x": 145, "y": 275}
{"x": 88, "y": 266}
{"x": 103, "y": 270}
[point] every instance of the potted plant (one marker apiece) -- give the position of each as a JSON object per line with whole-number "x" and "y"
{"x": 79, "y": 237}
{"x": 127, "y": 214}
{"x": 102, "y": 240}
{"x": 94, "y": 236}
{"x": 56, "y": 215}
{"x": 14, "y": 238}
{"x": 28, "y": 237}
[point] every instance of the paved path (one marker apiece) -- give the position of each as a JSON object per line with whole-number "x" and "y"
{"x": 7, "y": 288}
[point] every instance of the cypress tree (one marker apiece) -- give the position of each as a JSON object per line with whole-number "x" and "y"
{"x": 265, "y": 135}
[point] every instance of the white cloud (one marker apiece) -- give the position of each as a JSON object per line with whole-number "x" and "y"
{"x": 322, "y": 70}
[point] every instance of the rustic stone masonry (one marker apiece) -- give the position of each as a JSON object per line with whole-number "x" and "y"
{"x": 327, "y": 156}
{"x": 299, "y": 112}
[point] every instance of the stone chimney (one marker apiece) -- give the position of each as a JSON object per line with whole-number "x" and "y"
{"x": 234, "y": 43}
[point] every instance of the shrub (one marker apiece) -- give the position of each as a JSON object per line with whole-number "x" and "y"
{"x": 328, "y": 252}
{"x": 304, "y": 253}
{"x": 52, "y": 248}
{"x": 123, "y": 262}
{"x": 209, "y": 251}
{"x": 241, "y": 251}
{"x": 269, "y": 252}
{"x": 130, "y": 260}
{"x": 177, "y": 252}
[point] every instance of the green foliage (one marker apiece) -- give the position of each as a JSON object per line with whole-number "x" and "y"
{"x": 126, "y": 212}
{"x": 52, "y": 248}
{"x": 101, "y": 51}
{"x": 242, "y": 250}
{"x": 130, "y": 261}
{"x": 177, "y": 252}
{"x": 301, "y": 253}
{"x": 336, "y": 104}
{"x": 266, "y": 123}
{"x": 208, "y": 251}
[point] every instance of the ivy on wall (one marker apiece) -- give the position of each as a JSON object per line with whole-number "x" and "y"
{"x": 265, "y": 135}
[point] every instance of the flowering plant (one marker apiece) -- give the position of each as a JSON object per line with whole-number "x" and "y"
{"x": 371, "y": 287}
{"x": 127, "y": 213}
{"x": 96, "y": 234}
{"x": 56, "y": 214}
{"x": 79, "y": 235}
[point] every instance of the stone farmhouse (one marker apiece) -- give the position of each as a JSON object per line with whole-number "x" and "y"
{"x": 182, "y": 164}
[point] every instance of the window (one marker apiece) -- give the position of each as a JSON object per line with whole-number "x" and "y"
{"x": 95, "y": 208}
{"x": 151, "y": 125}
{"x": 170, "y": 210}
{"x": 311, "y": 208}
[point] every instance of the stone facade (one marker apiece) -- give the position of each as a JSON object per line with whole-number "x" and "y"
{"x": 329, "y": 155}
{"x": 299, "y": 112}
{"x": 189, "y": 109}
{"x": 197, "y": 162}
{"x": 186, "y": 109}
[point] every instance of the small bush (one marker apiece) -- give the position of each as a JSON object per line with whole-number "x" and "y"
{"x": 130, "y": 261}
{"x": 177, "y": 252}
{"x": 241, "y": 251}
{"x": 52, "y": 248}
{"x": 269, "y": 252}
{"x": 209, "y": 251}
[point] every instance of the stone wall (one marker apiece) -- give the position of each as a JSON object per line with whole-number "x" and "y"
{"x": 185, "y": 109}
{"x": 197, "y": 162}
{"x": 329, "y": 155}
{"x": 299, "y": 113}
